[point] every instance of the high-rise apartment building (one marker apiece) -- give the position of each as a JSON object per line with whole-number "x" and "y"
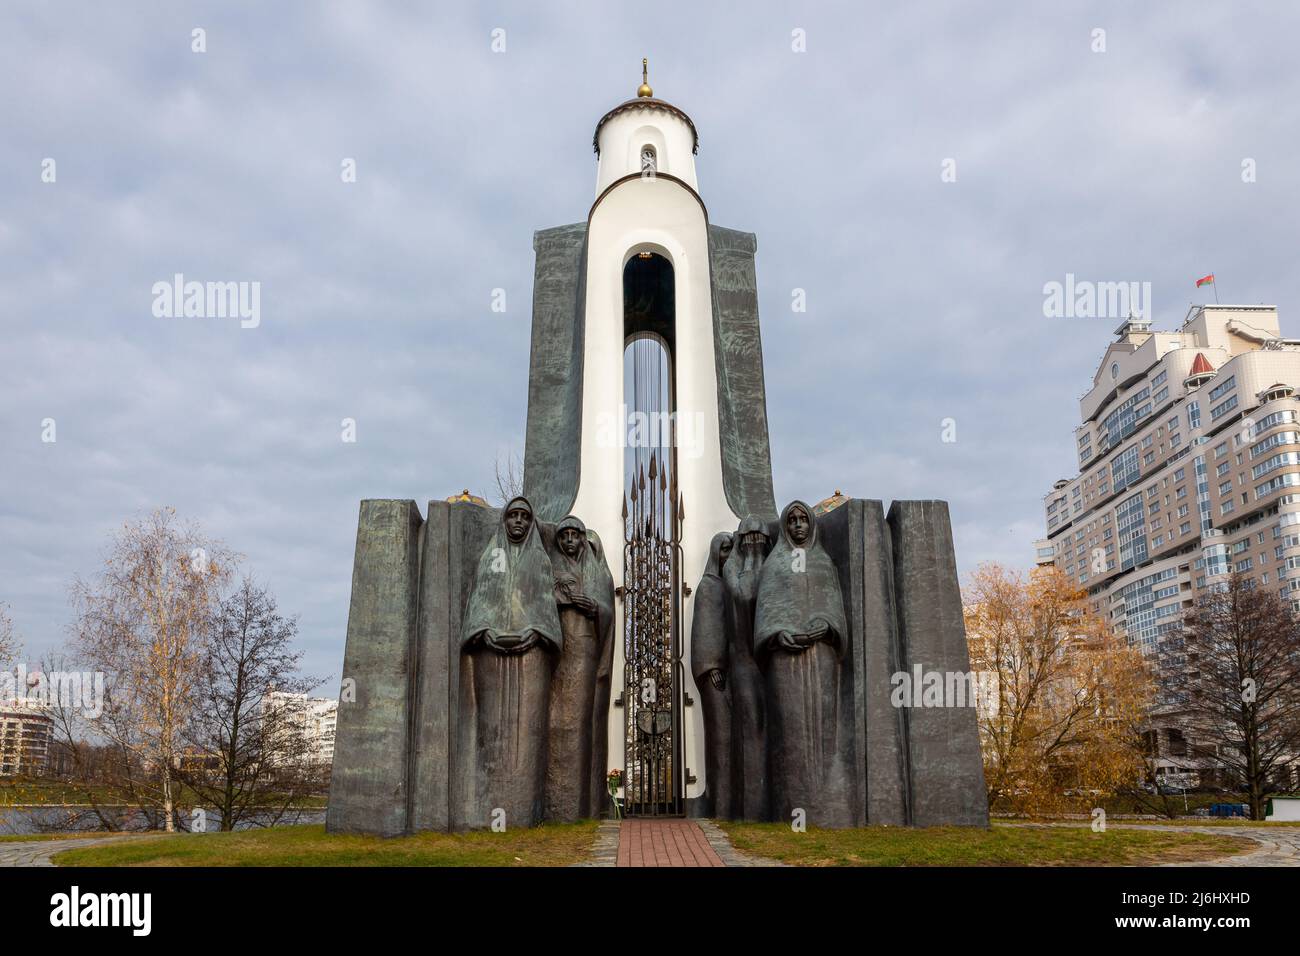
{"x": 1188, "y": 467}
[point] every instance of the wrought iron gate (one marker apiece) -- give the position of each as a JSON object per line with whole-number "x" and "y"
{"x": 652, "y": 644}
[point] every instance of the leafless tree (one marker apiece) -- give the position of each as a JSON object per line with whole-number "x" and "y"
{"x": 509, "y": 477}
{"x": 99, "y": 755}
{"x": 9, "y": 646}
{"x": 142, "y": 621}
{"x": 247, "y": 755}
{"x": 1234, "y": 680}
{"x": 1146, "y": 792}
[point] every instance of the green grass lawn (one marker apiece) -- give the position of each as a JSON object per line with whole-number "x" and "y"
{"x": 971, "y": 846}
{"x": 550, "y": 845}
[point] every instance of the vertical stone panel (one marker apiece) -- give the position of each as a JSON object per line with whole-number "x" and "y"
{"x": 854, "y": 535}
{"x": 887, "y": 777}
{"x": 947, "y": 773}
{"x": 554, "y": 438}
{"x": 435, "y": 653}
{"x": 840, "y": 533}
{"x": 368, "y": 787}
{"x": 742, "y": 395}
{"x": 470, "y": 528}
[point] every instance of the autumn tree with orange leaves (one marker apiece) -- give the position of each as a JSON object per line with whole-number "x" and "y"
{"x": 1060, "y": 732}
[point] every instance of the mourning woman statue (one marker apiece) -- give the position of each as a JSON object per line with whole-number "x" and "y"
{"x": 511, "y": 637}
{"x": 709, "y": 667}
{"x": 584, "y": 592}
{"x": 748, "y": 719}
{"x": 799, "y": 640}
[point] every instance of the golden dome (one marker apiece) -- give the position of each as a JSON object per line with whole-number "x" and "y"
{"x": 644, "y": 88}
{"x": 830, "y": 504}
{"x": 466, "y": 497}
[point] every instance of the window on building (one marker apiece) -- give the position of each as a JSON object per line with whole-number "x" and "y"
{"x": 1223, "y": 387}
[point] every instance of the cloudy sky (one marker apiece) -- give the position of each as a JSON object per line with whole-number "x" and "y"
{"x": 925, "y": 297}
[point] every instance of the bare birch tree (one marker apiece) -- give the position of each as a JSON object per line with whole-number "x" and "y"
{"x": 143, "y": 620}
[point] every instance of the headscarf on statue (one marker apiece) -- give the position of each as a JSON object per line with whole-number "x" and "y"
{"x": 586, "y": 574}
{"x": 709, "y": 625}
{"x": 513, "y": 587}
{"x": 799, "y": 586}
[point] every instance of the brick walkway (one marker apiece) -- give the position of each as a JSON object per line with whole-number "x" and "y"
{"x": 664, "y": 843}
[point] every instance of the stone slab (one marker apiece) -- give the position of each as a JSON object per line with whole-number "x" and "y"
{"x": 945, "y": 765}
{"x": 553, "y": 440}
{"x": 738, "y": 355}
{"x": 368, "y": 791}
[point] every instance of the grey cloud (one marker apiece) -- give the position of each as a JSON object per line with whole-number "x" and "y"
{"x": 924, "y": 298}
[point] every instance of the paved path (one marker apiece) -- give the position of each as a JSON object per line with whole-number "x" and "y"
{"x": 39, "y": 852}
{"x": 718, "y": 839}
{"x": 1278, "y": 846}
{"x": 669, "y": 842}
{"x": 604, "y": 852}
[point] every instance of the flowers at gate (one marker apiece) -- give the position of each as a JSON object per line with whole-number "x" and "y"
{"x": 614, "y": 780}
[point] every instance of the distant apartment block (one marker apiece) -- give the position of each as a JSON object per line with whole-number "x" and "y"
{"x": 26, "y": 732}
{"x": 311, "y": 719}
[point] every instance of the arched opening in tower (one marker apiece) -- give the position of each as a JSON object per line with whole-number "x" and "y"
{"x": 649, "y": 335}
{"x": 653, "y": 679}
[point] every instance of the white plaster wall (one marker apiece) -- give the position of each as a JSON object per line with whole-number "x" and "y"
{"x": 656, "y": 215}
{"x": 622, "y": 137}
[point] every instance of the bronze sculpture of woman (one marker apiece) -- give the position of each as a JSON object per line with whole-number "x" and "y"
{"x": 511, "y": 636}
{"x": 748, "y": 717}
{"x": 710, "y": 665}
{"x": 584, "y": 593}
{"x": 800, "y": 633}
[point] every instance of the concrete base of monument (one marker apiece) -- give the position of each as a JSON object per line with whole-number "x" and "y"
{"x": 404, "y": 755}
